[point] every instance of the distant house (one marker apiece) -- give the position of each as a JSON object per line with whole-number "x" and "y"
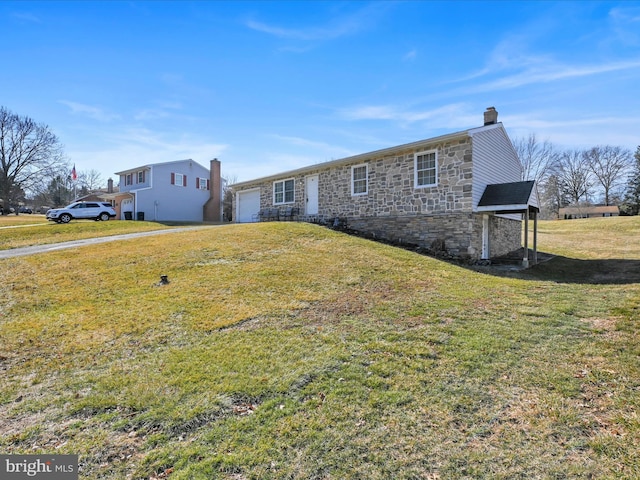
{"x": 567, "y": 213}
{"x": 461, "y": 190}
{"x": 178, "y": 191}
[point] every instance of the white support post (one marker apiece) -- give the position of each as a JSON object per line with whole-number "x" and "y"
{"x": 525, "y": 259}
{"x": 486, "y": 250}
{"x": 535, "y": 237}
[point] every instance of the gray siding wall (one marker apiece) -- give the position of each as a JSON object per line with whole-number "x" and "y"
{"x": 162, "y": 201}
{"x": 494, "y": 161}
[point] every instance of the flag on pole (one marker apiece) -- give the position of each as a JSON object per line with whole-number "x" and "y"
{"x": 74, "y": 175}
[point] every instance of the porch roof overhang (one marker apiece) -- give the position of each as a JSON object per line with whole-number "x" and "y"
{"x": 514, "y": 197}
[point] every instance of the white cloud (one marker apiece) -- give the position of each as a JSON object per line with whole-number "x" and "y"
{"x": 135, "y": 147}
{"x": 455, "y": 114}
{"x": 90, "y": 111}
{"x": 553, "y": 72}
{"x": 340, "y": 26}
{"x": 577, "y": 131}
{"x": 312, "y": 144}
{"x": 410, "y": 55}
{"x": 626, "y": 24}
{"x": 25, "y": 17}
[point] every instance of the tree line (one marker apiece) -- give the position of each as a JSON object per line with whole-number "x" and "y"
{"x": 600, "y": 175}
{"x": 33, "y": 165}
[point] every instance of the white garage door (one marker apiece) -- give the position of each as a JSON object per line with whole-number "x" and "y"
{"x": 248, "y": 205}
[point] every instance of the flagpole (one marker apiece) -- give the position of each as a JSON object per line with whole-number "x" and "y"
{"x": 74, "y": 177}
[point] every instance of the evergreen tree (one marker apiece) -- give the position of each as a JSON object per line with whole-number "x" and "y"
{"x": 631, "y": 205}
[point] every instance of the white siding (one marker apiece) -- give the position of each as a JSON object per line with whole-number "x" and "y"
{"x": 494, "y": 160}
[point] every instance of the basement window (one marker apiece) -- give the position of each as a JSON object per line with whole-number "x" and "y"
{"x": 283, "y": 191}
{"x": 426, "y": 169}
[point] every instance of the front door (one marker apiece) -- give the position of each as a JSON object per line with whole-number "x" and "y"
{"x": 311, "y": 193}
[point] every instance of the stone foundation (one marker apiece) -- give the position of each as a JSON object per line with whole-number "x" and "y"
{"x": 460, "y": 235}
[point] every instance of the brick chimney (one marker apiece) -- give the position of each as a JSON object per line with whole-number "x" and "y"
{"x": 490, "y": 116}
{"x": 110, "y": 185}
{"x": 212, "y": 210}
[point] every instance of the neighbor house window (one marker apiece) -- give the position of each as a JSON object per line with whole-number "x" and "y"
{"x": 202, "y": 183}
{"x": 141, "y": 176}
{"x": 359, "y": 182}
{"x": 426, "y": 169}
{"x": 128, "y": 180}
{"x": 283, "y": 191}
{"x": 179, "y": 179}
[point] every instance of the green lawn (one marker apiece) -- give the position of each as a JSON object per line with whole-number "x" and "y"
{"x": 290, "y": 351}
{"x": 26, "y": 230}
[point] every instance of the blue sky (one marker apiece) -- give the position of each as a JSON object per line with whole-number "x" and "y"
{"x": 272, "y": 86}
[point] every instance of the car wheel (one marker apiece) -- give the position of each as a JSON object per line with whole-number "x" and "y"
{"x": 65, "y": 218}
{"x": 104, "y": 216}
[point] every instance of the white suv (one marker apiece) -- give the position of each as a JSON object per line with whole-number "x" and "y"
{"x": 88, "y": 210}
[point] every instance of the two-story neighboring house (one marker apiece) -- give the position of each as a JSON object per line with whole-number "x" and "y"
{"x": 429, "y": 192}
{"x": 181, "y": 190}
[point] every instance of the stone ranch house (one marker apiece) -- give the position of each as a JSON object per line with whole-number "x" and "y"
{"x": 429, "y": 192}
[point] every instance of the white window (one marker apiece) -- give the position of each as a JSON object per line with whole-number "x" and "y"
{"x": 283, "y": 191}
{"x": 141, "y": 176}
{"x": 128, "y": 180}
{"x": 359, "y": 180}
{"x": 179, "y": 179}
{"x": 202, "y": 183}
{"x": 426, "y": 169}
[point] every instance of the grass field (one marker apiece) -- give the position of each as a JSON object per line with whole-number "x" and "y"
{"x": 26, "y": 230}
{"x": 290, "y": 351}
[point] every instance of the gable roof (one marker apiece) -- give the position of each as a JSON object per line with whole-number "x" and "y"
{"x": 375, "y": 154}
{"x": 150, "y": 165}
{"x": 508, "y": 197}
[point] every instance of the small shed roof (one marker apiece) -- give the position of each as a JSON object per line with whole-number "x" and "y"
{"x": 509, "y": 197}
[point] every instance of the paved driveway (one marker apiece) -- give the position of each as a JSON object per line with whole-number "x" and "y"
{"x": 21, "y": 252}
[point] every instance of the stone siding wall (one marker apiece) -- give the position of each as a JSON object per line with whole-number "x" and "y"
{"x": 391, "y": 185}
{"x": 394, "y": 209}
{"x": 505, "y": 235}
{"x": 456, "y": 231}
{"x": 461, "y": 234}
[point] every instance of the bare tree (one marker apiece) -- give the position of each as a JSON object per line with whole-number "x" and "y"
{"x": 574, "y": 175}
{"x": 91, "y": 180}
{"x": 227, "y": 197}
{"x": 29, "y": 153}
{"x": 609, "y": 166}
{"x": 537, "y": 158}
{"x": 552, "y": 196}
